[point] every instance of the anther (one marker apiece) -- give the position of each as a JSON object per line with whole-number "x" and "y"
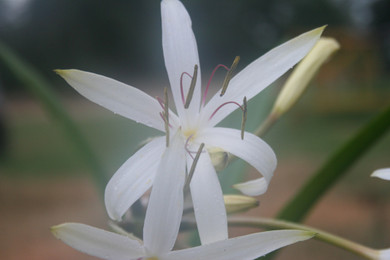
{"x": 192, "y": 87}
{"x": 244, "y": 116}
{"x": 229, "y": 75}
{"x": 166, "y": 116}
{"x": 193, "y": 166}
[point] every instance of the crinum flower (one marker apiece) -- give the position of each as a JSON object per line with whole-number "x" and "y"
{"x": 194, "y": 121}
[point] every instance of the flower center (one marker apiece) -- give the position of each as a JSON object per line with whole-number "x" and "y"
{"x": 189, "y": 133}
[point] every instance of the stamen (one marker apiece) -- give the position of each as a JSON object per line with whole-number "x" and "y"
{"x": 192, "y": 170}
{"x": 163, "y": 118}
{"x": 229, "y": 74}
{"x": 166, "y": 116}
{"x": 181, "y": 86}
{"x": 244, "y": 116}
{"x": 192, "y": 87}
{"x": 229, "y": 102}
{"x": 160, "y": 101}
{"x": 208, "y": 83}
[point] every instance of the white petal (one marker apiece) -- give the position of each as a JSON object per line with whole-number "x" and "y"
{"x": 252, "y": 188}
{"x": 209, "y": 206}
{"x": 252, "y": 150}
{"x": 382, "y": 173}
{"x": 165, "y": 206}
{"x": 244, "y": 248}
{"x": 133, "y": 178}
{"x": 180, "y": 54}
{"x": 98, "y": 242}
{"x": 118, "y": 97}
{"x": 261, "y": 73}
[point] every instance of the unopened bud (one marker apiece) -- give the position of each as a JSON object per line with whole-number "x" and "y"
{"x": 219, "y": 158}
{"x": 303, "y": 73}
{"x": 239, "y": 203}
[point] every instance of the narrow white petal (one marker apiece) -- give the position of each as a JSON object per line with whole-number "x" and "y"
{"x": 133, "y": 178}
{"x": 209, "y": 206}
{"x": 180, "y": 54}
{"x": 382, "y": 173}
{"x": 261, "y": 73}
{"x": 165, "y": 206}
{"x": 98, "y": 242}
{"x": 118, "y": 97}
{"x": 244, "y": 248}
{"x": 251, "y": 149}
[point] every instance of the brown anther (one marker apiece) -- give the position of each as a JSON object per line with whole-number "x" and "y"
{"x": 229, "y": 75}
{"x": 166, "y": 116}
{"x": 193, "y": 166}
{"x": 192, "y": 87}
{"x": 244, "y": 116}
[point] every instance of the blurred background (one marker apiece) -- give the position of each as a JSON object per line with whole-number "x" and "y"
{"x": 44, "y": 181}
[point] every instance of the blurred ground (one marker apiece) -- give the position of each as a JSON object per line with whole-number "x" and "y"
{"x": 42, "y": 183}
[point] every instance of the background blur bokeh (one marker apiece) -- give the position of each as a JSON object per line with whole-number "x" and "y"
{"x": 44, "y": 182}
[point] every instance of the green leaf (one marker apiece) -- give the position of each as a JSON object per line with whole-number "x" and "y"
{"x": 335, "y": 167}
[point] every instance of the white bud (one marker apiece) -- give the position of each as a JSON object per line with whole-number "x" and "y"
{"x": 303, "y": 73}
{"x": 239, "y": 203}
{"x": 219, "y": 158}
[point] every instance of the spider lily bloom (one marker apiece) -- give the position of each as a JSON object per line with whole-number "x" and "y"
{"x": 109, "y": 245}
{"x": 382, "y": 173}
{"x": 194, "y": 122}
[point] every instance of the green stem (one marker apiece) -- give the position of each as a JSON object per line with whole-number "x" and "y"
{"x": 335, "y": 167}
{"x": 266, "y": 125}
{"x": 326, "y": 237}
{"x": 39, "y": 87}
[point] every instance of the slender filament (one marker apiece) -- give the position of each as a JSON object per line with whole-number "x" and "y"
{"x": 209, "y": 82}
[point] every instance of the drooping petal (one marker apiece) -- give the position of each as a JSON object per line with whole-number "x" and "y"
{"x": 251, "y": 149}
{"x": 261, "y": 73}
{"x": 133, "y": 178}
{"x": 118, "y": 97}
{"x": 98, "y": 242}
{"x": 180, "y": 55}
{"x": 244, "y": 248}
{"x": 209, "y": 206}
{"x": 253, "y": 187}
{"x": 382, "y": 173}
{"x": 165, "y": 207}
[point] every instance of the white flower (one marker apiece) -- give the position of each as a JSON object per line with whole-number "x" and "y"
{"x": 162, "y": 225}
{"x": 108, "y": 245}
{"x": 194, "y": 125}
{"x": 382, "y": 173}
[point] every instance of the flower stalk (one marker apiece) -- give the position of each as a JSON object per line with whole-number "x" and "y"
{"x": 268, "y": 223}
{"x": 274, "y": 224}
